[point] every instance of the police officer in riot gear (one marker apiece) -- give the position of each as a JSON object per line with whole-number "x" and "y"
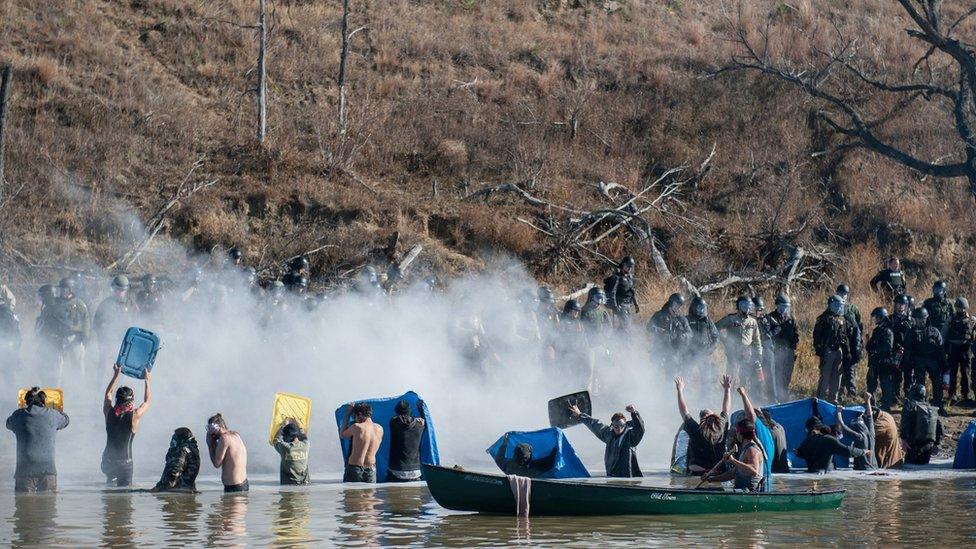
{"x": 925, "y": 354}
{"x": 548, "y": 313}
{"x": 766, "y": 333}
{"x": 880, "y": 349}
{"x": 619, "y": 289}
{"x": 235, "y": 256}
{"x": 704, "y": 338}
{"x": 299, "y": 266}
{"x": 890, "y": 282}
{"x": 901, "y": 323}
{"x": 831, "y": 341}
{"x": 939, "y": 307}
{"x": 743, "y": 344}
{"x": 670, "y": 333}
{"x": 960, "y": 337}
{"x": 786, "y": 337}
{"x": 72, "y": 324}
{"x": 10, "y": 336}
{"x": 596, "y": 317}
{"x": 115, "y": 314}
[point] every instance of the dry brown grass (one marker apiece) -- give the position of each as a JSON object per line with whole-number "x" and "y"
{"x": 123, "y": 97}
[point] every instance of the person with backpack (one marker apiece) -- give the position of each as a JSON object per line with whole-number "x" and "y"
{"x": 925, "y": 354}
{"x": 921, "y": 428}
{"x": 619, "y": 289}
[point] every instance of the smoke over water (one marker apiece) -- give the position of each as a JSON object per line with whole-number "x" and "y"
{"x": 224, "y": 352}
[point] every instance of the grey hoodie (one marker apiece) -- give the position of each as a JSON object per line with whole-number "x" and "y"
{"x": 35, "y": 427}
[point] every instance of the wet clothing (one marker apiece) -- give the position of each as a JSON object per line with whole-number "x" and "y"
{"x": 182, "y": 465}
{"x": 533, "y": 468}
{"x": 35, "y": 428}
{"x": 921, "y": 428}
{"x": 880, "y": 349}
{"x": 36, "y": 483}
{"x": 117, "y": 456}
{"x": 706, "y": 447}
{"x": 780, "y": 459}
{"x": 940, "y": 311}
{"x": 293, "y": 469}
{"x": 925, "y": 355}
{"x": 832, "y": 335}
{"x": 889, "y": 282}
{"x": 744, "y": 481}
{"x": 862, "y": 431}
{"x": 405, "y": 435}
{"x": 236, "y": 488}
{"x": 355, "y": 473}
{"x": 619, "y": 457}
{"x": 960, "y": 336}
{"x": 818, "y": 450}
{"x": 886, "y": 440}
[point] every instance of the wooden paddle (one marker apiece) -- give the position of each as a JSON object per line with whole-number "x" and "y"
{"x": 731, "y": 451}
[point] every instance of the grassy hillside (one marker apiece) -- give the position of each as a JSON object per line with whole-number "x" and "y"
{"x": 113, "y": 102}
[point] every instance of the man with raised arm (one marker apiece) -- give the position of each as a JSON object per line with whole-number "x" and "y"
{"x": 121, "y": 424}
{"x": 748, "y": 461}
{"x": 227, "y": 453}
{"x": 706, "y": 437}
{"x": 621, "y": 438}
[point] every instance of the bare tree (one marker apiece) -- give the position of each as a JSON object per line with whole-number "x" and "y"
{"x": 4, "y": 95}
{"x": 843, "y": 85}
{"x": 343, "y": 57}
{"x": 262, "y": 90}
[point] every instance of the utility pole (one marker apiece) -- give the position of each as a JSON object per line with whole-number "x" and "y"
{"x": 262, "y": 83}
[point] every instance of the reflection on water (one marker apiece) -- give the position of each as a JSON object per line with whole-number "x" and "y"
{"x": 117, "y": 519}
{"x": 897, "y": 510}
{"x": 34, "y": 519}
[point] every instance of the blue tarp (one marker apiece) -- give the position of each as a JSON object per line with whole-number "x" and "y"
{"x": 793, "y": 417}
{"x": 543, "y": 441}
{"x": 382, "y": 414}
{"x": 965, "y": 457}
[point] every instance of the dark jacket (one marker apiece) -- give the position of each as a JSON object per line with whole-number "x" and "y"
{"x": 832, "y": 333}
{"x": 532, "y": 469}
{"x": 881, "y": 346}
{"x": 888, "y": 281}
{"x": 182, "y": 465}
{"x": 962, "y": 328}
{"x": 35, "y": 427}
{"x": 619, "y": 457}
{"x": 818, "y": 450}
{"x": 924, "y": 344}
{"x": 940, "y": 312}
{"x": 862, "y": 431}
{"x": 619, "y": 288}
{"x": 669, "y": 330}
{"x": 704, "y": 335}
{"x": 785, "y": 334}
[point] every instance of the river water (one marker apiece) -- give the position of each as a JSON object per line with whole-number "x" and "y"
{"x": 924, "y": 508}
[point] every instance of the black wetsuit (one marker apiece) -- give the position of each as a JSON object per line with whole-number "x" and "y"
{"x": 532, "y": 469}
{"x": 117, "y": 456}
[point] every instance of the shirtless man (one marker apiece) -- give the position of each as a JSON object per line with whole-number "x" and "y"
{"x": 227, "y": 452}
{"x": 366, "y": 437}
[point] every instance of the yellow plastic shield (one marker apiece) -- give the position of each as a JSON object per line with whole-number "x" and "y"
{"x": 288, "y": 406}
{"x": 53, "y": 397}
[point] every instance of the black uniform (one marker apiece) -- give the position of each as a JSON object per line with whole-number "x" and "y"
{"x": 960, "y": 336}
{"x": 10, "y": 338}
{"x": 670, "y": 334}
{"x": 853, "y": 316}
{"x": 786, "y": 337}
{"x": 924, "y": 354}
{"x": 900, "y": 326}
{"x": 922, "y": 429}
{"x": 880, "y": 348}
{"x": 621, "y": 298}
{"x": 940, "y": 312}
{"x": 832, "y": 343}
{"x": 888, "y": 282}
{"x": 182, "y": 465}
{"x": 701, "y": 343}
{"x": 766, "y": 329}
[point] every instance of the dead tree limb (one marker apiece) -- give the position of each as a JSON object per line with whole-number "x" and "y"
{"x": 182, "y": 192}
{"x": 515, "y": 189}
{"x": 343, "y": 61}
{"x": 4, "y": 96}
{"x": 262, "y": 89}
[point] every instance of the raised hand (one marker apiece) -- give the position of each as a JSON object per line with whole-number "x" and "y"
{"x": 679, "y": 383}
{"x": 726, "y": 382}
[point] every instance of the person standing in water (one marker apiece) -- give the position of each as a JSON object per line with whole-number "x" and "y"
{"x": 35, "y": 426}
{"x": 227, "y": 453}
{"x": 292, "y": 444}
{"x": 621, "y": 438}
{"x": 121, "y": 423}
{"x": 366, "y": 437}
{"x": 406, "y": 433}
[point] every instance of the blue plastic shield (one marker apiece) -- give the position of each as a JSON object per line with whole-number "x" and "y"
{"x": 965, "y": 458}
{"x": 138, "y": 352}
{"x": 382, "y": 414}
{"x": 543, "y": 441}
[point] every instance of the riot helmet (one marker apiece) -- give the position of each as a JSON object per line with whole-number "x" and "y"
{"x": 962, "y": 304}
{"x": 939, "y": 288}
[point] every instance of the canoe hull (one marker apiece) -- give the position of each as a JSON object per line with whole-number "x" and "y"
{"x": 483, "y": 493}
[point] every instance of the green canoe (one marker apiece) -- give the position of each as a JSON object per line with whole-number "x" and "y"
{"x": 461, "y": 490}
